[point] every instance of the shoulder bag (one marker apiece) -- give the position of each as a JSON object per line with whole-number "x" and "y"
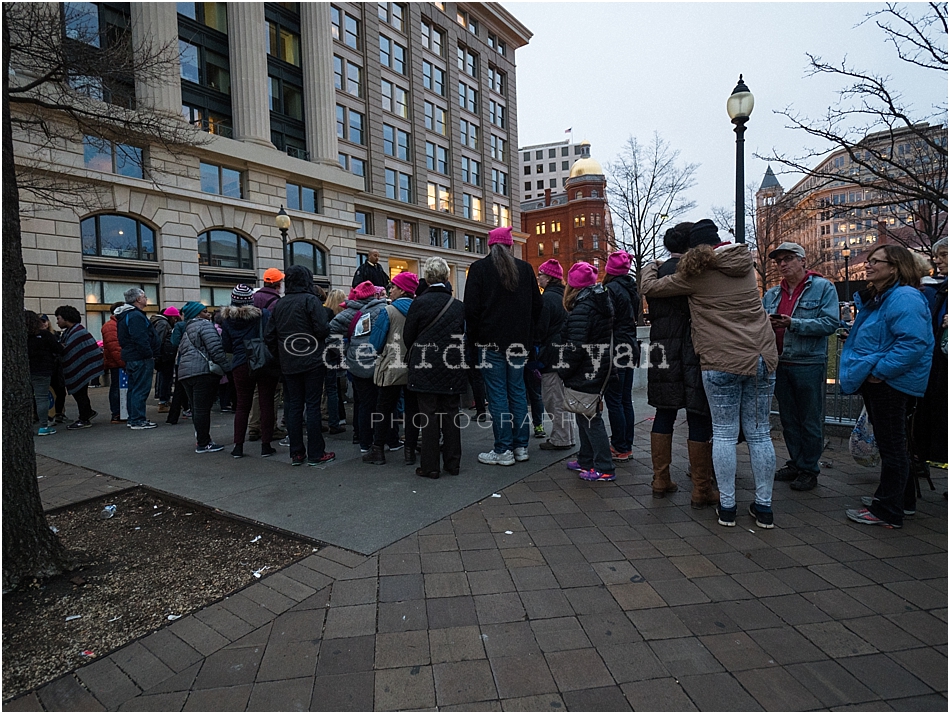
{"x": 260, "y": 360}
{"x": 213, "y": 366}
{"x": 589, "y": 405}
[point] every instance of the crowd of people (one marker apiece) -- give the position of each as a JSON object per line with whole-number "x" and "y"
{"x": 528, "y": 342}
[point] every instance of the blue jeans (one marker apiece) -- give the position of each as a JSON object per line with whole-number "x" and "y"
{"x": 800, "y": 390}
{"x": 305, "y": 388}
{"x": 114, "y": 405}
{"x": 595, "y": 446}
{"x": 619, "y": 401}
{"x": 507, "y": 401}
{"x": 139, "y": 373}
{"x": 735, "y": 398}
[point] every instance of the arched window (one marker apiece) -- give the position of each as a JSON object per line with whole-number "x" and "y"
{"x": 225, "y": 249}
{"x": 595, "y": 194}
{"x": 309, "y": 256}
{"x": 114, "y": 236}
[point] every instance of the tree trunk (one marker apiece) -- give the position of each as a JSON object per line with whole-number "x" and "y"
{"x": 30, "y": 549}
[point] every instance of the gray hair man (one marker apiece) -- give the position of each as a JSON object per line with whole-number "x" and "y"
{"x": 140, "y": 345}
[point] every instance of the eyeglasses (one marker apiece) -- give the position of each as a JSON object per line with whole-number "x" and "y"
{"x": 786, "y": 259}
{"x": 875, "y": 261}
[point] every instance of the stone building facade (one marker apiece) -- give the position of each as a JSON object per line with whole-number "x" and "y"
{"x": 266, "y": 83}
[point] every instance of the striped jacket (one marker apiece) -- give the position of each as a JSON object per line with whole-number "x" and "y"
{"x": 82, "y": 358}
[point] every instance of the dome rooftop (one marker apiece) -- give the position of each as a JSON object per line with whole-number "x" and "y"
{"x": 586, "y": 167}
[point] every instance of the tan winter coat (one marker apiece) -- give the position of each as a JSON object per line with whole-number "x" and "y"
{"x": 392, "y": 368}
{"x": 729, "y": 326}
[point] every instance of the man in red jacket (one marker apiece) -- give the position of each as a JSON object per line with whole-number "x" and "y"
{"x": 112, "y": 361}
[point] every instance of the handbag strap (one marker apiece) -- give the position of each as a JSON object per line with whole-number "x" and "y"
{"x": 445, "y": 309}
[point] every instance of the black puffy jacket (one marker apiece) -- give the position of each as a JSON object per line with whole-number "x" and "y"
{"x": 588, "y": 324}
{"x": 547, "y": 330}
{"x": 623, "y": 290}
{"x": 298, "y": 315}
{"x": 445, "y": 373}
{"x": 674, "y": 377}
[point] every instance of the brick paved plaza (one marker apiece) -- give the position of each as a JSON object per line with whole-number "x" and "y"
{"x": 562, "y": 595}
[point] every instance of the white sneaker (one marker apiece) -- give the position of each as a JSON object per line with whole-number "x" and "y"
{"x": 521, "y": 453}
{"x": 491, "y": 457}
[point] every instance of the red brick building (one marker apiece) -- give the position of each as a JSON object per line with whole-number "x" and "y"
{"x": 573, "y": 225}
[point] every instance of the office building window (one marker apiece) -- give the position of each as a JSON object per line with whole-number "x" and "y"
{"x": 433, "y": 39}
{"x": 441, "y": 237}
{"x": 397, "y": 229}
{"x": 471, "y": 171}
{"x": 540, "y": 185}
{"x": 496, "y": 80}
{"x": 209, "y": 14}
{"x": 433, "y": 78}
{"x": 471, "y": 207}
{"x": 225, "y": 249}
{"x": 496, "y": 114}
{"x": 439, "y": 197}
{"x": 435, "y": 118}
{"x": 349, "y": 125}
{"x": 302, "y": 198}
{"x": 467, "y": 21}
{"x": 564, "y": 166}
{"x": 527, "y": 187}
{"x": 286, "y": 98}
{"x": 396, "y": 142}
{"x": 392, "y": 54}
{"x": 395, "y": 99}
{"x": 467, "y": 62}
{"x": 500, "y": 215}
{"x": 552, "y": 183}
{"x": 563, "y": 151}
{"x": 109, "y": 157}
{"x": 282, "y": 42}
{"x": 393, "y": 13}
{"x": 499, "y": 182}
{"x": 499, "y": 148}
{"x": 398, "y": 186}
{"x": 437, "y": 158}
{"x": 221, "y": 180}
{"x": 580, "y": 221}
{"x": 468, "y": 133}
{"x": 552, "y": 166}
{"x": 308, "y": 255}
{"x": 365, "y": 219}
{"x": 468, "y": 98}
{"x": 115, "y": 236}
{"x": 345, "y": 28}
{"x": 498, "y": 45}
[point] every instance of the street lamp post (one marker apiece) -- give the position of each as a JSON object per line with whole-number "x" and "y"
{"x": 283, "y": 223}
{"x": 846, "y": 254}
{"x": 739, "y": 106}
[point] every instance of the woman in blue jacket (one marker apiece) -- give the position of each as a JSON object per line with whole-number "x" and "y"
{"x": 887, "y": 358}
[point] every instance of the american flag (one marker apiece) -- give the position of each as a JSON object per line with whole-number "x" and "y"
{"x": 568, "y": 131}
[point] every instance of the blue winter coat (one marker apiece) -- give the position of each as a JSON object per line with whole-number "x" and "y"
{"x": 892, "y": 340}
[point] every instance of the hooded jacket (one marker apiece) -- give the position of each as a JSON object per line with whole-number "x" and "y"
{"x": 200, "y": 343}
{"x": 162, "y": 327}
{"x": 111, "y": 349}
{"x": 729, "y": 326}
{"x": 135, "y": 333}
{"x": 387, "y": 339}
{"x": 586, "y": 336}
{"x": 891, "y": 339}
{"x": 494, "y": 315}
{"x": 360, "y": 355}
{"x": 814, "y": 317}
{"x": 623, "y": 290}
{"x": 298, "y": 328}
{"x": 547, "y": 329}
{"x": 674, "y": 377}
{"x": 238, "y": 324}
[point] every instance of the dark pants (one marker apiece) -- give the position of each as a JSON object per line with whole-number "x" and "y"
{"x": 139, "y": 373}
{"x": 58, "y": 385}
{"x": 532, "y": 386}
{"x": 333, "y": 398}
{"x": 164, "y": 381}
{"x": 619, "y": 400}
{"x": 244, "y": 385}
{"x": 800, "y": 390}
{"x": 386, "y": 419}
{"x": 40, "y": 384}
{"x": 595, "y": 446}
{"x": 366, "y": 396}
{"x": 887, "y": 411}
{"x": 179, "y": 402}
{"x": 700, "y": 426}
{"x": 304, "y": 390}
{"x": 81, "y": 396}
{"x": 438, "y": 416}
{"x": 115, "y": 405}
{"x": 201, "y": 391}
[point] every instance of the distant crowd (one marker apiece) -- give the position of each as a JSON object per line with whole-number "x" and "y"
{"x": 285, "y": 356}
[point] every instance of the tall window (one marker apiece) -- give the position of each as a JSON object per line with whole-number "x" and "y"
{"x": 500, "y": 215}
{"x": 345, "y": 28}
{"x": 496, "y": 80}
{"x": 496, "y": 114}
{"x": 471, "y": 171}
{"x": 435, "y": 118}
{"x": 349, "y": 125}
{"x": 225, "y": 249}
{"x": 498, "y": 45}
{"x": 433, "y": 39}
{"x": 395, "y": 99}
{"x": 204, "y": 67}
{"x": 467, "y": 21}
{"x": 365, "y": 219}
{"x": 221, "y": 180}
{"x": 468, "y": 133}
{"x": 109, "y": 157}
{"x": 439, "y": 197}
{"x": 283, "y": 43}
{"x": 396, "y": 142}
{"x": 392, "y": 54}
{"x": 499, "y": 149}
{"x": 398, "y": 186}
{"x": 309, "y": 256}
{"x": 437, "y": 158}
{"x": 302, "y": 198}
{"x": 433, "y": 78}
{"x": 102, "y": 26}
{"x": 499, "y": 182}
{"x": 113, "y": 236}
{"x": 393, "y": 13}
{"x": 471, "y": 207}
{"x": 467, "y": 62}
{"x": 468, "y": 98}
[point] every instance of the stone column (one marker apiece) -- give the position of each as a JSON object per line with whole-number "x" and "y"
{"x": 319, "y": 94}
{"x": 248, "y": 58}
{"x": 155, "y": 30}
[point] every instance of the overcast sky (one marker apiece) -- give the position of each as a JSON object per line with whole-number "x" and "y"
{"x": 611, "y": 70}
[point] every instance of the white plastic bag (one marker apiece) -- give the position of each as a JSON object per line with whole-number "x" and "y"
{"x": 862, "y": 444}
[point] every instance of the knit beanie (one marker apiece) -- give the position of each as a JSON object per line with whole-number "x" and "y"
{"x": 171, "y": 311}
{"x": 581, "y": 275}
{"x": 676, "y": 239}
{"x": 618, "y": 263}
{"x": 502, "y": 235}
{"x": 704, "y": 233}
{"x": 407, "y": 282}
{"x": 191, "y": 309}
{"x": 363, "y": 291}
{"x": 553, "y": 268}
{"x": 242, "y": 295}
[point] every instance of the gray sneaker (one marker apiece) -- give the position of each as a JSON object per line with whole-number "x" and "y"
{"x": 521, "y": 453}
{"x": 868, "y": 500}
{"x": 494, "y": 458}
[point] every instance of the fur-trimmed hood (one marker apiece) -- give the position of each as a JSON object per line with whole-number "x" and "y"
{"x": 240, "y": 312}
{"x": 733, "y": 260}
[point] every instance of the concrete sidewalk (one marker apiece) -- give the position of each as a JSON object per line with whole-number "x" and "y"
{"x": 563, "y": 595}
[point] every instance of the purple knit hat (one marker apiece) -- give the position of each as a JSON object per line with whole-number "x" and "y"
{"x": 618, "y": 263}
{"x": 553, "y": 268}
{"x": 502, "y": 235}
{"x": 581, "y": 275}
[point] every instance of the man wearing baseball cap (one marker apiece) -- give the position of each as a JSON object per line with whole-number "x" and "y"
{"x": 265, "y": 298}
{"x": 803, "y": 311}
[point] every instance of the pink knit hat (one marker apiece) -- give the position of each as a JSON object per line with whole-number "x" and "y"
{"x": 363, "y": 291}
{"x": 618, "y": 263}
{"x": 502, "y": 235}
{"x": 553, "y": 268}
{"x": 407, "y": 282}
{"x": 581, "y": 275}
{"x": 171, "y": 311}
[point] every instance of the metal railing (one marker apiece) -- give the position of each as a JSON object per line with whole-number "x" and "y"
{"x": 298, "y": 153}
{"x": 839, "y": 408}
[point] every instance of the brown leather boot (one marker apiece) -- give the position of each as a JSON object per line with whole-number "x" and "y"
{"x": 705, "y": 492}
{"x": 661, "y": 449}
{"x": 375, "y": 456}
